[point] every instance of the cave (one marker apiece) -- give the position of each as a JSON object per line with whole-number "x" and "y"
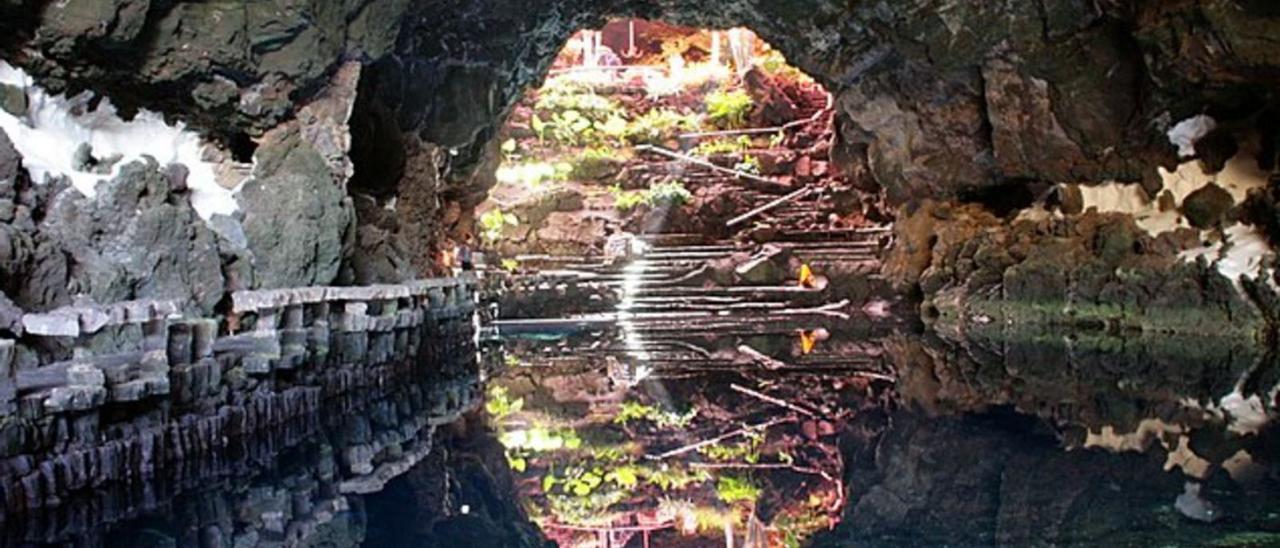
{"x": 645, "y": 273}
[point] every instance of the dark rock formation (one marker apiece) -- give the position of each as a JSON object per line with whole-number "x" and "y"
{"x": 948, "y": 99}
{"x": 1094, "y": 271}
{"x": 137, "y": 239}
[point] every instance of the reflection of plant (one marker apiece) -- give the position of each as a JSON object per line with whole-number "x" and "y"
{"x": 731, "y": 489}
{"x": 500, "y": 405}
{"x": 798, "y": 524}
{"x": 541, "y": 439}
{"x": 494, "y": 221}
{"x": 729, "y": 109}
{"x": 749, "y": 164}
{"x": 668, "y": 478}
{"x": 510, "y": 265}
{"x": 659, "y": 126}
{"x": 663, "y": 419}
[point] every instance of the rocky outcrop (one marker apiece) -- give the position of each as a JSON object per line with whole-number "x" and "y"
{"x": 138, "y": 238}
{"x": 1093, "y": 270}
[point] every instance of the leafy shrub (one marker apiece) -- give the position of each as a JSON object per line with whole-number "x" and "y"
{"x": 573, "y": 115}
{"x": 493, "y": 222}
{"x": 663, "y": 419}
{"x": 593, "y": 164}
{"x": 731, "y": 489}
{"x": 659, "y": 126}
{"x": 671, "y": 194}
{"x": 729, "y": 109}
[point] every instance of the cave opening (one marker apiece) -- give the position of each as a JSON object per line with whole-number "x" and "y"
{"x": 667, "y": 133}
{"x": 674, "y": 188}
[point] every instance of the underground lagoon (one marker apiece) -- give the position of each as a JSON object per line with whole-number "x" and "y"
{"x": 639, "y": 274}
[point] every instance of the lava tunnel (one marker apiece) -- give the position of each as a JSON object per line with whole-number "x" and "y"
{"x": 639, "y": 273}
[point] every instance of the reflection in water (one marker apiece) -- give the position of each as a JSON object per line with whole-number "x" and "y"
{"x": 732, "y": 431}
{"x": 874, "y": 434}
{"x": 813, "y": 430}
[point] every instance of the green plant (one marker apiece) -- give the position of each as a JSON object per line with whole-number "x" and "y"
{"x": 572, "y": 115}
{"x": 729, "y": 109}
{"x": 749, "y": 164}
{"x": 625, "y": 200}
{"x": 669, "y": 194}
{"x": 634, "y": 411}
{"x": 724, "y": 146}
{"x": 776, "y": 140}
{"x": 494, "y": 221}
{"x": 500, "y": 405}
{"x": 670, "y": 478}
{"x": 594, "y": 163}
{"x": 510, "y": 265}
{"x": 540, "y": 439}
{"x": 775, "y": 64}
{"x": 732, "y": 489}
{"x": 659, "y": 126}
{"x": 533, "y": 174}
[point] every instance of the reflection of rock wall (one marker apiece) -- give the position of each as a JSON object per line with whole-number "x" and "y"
{"x": 1174, "y": 396}
{"x": 287, "y": 484}
{"x": 123, "y": 392}
{"x": 984, "y": 481}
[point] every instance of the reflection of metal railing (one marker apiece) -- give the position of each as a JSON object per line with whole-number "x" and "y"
{"x": 606, "y": 535}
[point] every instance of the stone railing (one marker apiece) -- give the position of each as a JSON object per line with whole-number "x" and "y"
{"x": 98, "y": 394}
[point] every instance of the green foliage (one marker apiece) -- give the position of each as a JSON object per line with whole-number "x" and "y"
{"x": 729, "y": 109}
{"x": 746, "y": 452}
{"x": 670, "y": 478}
{"x": 724, "y": 145}
{"x": 594, "y": 163}
{"x": 636, "y": 411}
{"x": 659, "y": 126}
{"x": 540, "y": 439}
{"x": 493, "y": 222}
{"x": 749, "y": 164}
{"x": 776, "y": 140}
{"x": 510, "y": 265}
{"x": 500, "y": 405}
{"x": 775, "y": 64}
{"x": 732, "y": 489}
{"x": 670, "y": 194}
{"x": 569, "y": 114}
{"x": 533, "y": 174}
{"x": 625, "y": 200}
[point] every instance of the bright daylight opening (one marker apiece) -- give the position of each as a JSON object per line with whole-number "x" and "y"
{"x": 687, "y": 171}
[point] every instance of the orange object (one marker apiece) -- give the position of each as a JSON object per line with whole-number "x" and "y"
{"x": 808, "y": 340}
{"x": 806, "y": 276}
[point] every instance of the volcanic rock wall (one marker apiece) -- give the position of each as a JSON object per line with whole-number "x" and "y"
{"x": 953, "y": 101}
{"x": 140, "y": 390}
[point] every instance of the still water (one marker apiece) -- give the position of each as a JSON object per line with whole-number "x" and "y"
{"x": 833, "y": 427}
